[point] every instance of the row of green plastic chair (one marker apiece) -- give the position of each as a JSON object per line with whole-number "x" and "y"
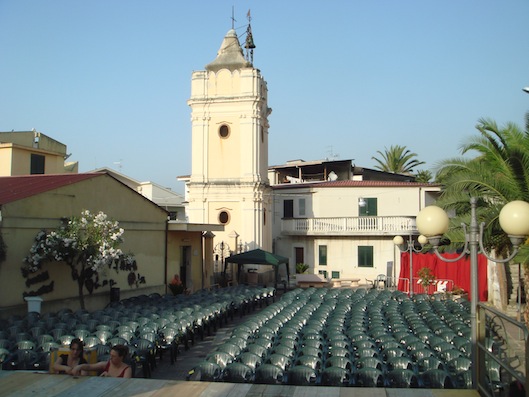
{"x": 164, "y": 321}
{"x": 320, "y": 328}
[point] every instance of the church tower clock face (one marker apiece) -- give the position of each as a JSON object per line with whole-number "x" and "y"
{"x": 229, "y": 170}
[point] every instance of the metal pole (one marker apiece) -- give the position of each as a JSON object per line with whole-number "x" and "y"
{"x": 410, "y": 249}
{"x": 473, "y": 241}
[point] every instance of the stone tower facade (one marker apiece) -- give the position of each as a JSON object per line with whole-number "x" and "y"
{"x": 229, "y": 182}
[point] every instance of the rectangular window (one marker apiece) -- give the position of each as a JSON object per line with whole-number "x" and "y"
{"x": 323, "y": 273}
{"x": 369, "y": 208}
{"x": 37, "y": 164}
{"x": 302, "y": 207}
{"x": 322, "y": 255}
{"x": 299, "y": 254}
{"x": 365, "y": 256}
{"x": 335, "y": 275}
{"x": 288, "y": 209}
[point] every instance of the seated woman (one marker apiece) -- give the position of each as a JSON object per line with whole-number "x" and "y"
{"x": 115, "y": 367}
{"x": 66, "y": 362}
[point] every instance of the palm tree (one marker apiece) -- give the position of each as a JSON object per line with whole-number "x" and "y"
{"x": 423, "y": 176}
{"x": 497, "y": 175}
{"x": 397, "y": 159}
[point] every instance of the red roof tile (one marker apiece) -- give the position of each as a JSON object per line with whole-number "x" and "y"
{"x": 13, "y": 188}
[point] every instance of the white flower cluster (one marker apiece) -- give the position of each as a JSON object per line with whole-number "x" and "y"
{"x": 94, "y": 237}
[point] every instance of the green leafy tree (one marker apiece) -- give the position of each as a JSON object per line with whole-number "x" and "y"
{"x": 88, "y": 245}
{"x": 498, "y": 174}
{"x": 397, "y": 159}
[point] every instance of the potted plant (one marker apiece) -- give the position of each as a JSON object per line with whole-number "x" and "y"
{"x": 426, "y": 278}
{"x": 458, "y": 292}
{"x": 301, "y": 268}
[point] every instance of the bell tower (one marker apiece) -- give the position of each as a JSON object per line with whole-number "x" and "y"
{"x": 229, "y": 169}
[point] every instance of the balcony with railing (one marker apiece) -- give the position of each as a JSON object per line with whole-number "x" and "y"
{"x": 349, "y": 226}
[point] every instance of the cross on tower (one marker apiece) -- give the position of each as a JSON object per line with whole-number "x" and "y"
{"x": 233, "y": 20}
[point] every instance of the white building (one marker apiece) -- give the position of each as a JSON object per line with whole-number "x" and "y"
{"x": 340, "y": 220}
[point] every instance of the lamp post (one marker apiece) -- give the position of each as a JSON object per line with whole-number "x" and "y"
{"x": 409, "y": 246}
{"x": 433, "y": 222}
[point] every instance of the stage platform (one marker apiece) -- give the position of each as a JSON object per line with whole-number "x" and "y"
{"x": 25, "y": 384}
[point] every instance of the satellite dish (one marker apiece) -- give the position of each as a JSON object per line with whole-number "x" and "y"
{"x": 332, "y": 176}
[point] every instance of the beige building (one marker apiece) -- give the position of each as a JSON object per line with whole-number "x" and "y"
{"x": 161, "y": 247}
{"x": 153, "y": 216}
{"x": 32, "y": 152}
{"x": 228, "y": 184}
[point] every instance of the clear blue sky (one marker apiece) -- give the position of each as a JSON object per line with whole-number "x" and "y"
{"x": 110, "y": 79}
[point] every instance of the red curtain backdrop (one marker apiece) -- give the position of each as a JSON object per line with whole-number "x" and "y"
{"x": 458, "y": 271}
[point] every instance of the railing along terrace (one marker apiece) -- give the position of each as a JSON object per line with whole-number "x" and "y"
{"x": 349, "y": 225}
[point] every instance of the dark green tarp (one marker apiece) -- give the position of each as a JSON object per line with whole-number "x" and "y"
{"x": 259, "y": 257}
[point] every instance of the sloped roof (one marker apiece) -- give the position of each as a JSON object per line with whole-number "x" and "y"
{"x": 13, "y": 188}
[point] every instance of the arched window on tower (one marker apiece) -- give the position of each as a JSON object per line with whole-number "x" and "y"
{"x": 224, "y": 217}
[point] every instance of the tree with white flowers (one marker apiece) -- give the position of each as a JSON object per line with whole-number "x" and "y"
{"x": 89, "y": 245}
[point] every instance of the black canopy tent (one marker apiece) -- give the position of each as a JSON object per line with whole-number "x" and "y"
{"x": 258, "y": 257}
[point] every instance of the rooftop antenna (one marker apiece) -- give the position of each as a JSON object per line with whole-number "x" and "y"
{"x": 331, "y": 155}
{"x": 249, "y": 45}
{"x": 119, "y": 164}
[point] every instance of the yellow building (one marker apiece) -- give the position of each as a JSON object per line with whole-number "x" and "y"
{"x": 32, "y": 152}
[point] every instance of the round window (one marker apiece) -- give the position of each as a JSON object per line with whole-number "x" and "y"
{"x": 224, "y": 217}
{"x": 224, "y": 131}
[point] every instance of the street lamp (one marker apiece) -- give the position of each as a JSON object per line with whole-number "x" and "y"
{"x": 433, "y": 222}
{"x": 409, "y": 246}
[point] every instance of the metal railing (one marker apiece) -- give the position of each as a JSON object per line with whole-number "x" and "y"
{"x": 501, "y": 352}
